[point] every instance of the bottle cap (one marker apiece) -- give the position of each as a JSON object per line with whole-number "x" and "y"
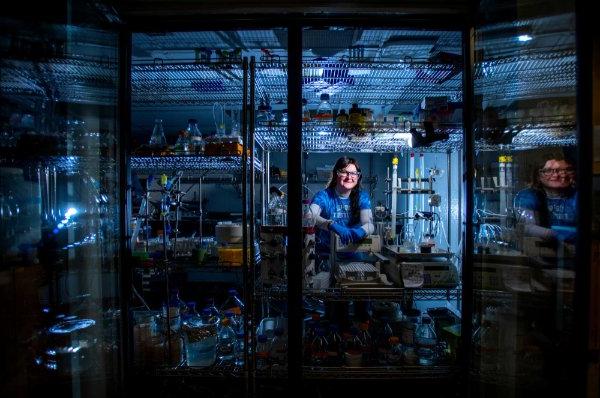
{"x": 192, "y": 121}
{"x": 324, "y": 97}
{"x": 261, "y": 338}
{"x": 278, "y": 331}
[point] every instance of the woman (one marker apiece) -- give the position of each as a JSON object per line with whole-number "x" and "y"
{"x": 342, "y": 207}
{"x": 547, "y": 209}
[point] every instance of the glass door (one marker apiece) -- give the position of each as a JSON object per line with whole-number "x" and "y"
{"x": 382, "y": 141}
{"x": 524, "y": 200}
{"x": 209, "y": 294}
{"x": 59, "y": 211}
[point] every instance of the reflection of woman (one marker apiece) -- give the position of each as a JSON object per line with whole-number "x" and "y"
{"x": 342, "y": 207}
{"x": 548, "y": 208}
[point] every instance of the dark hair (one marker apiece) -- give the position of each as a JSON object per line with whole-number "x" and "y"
{"x": 341, "y": 164}
{"x": 535, "y": 172}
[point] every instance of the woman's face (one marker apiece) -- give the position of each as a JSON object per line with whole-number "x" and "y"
{"x": 557, "y": 174}
{"x": 347, "y": 178}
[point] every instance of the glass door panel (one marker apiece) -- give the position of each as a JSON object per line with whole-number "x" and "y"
{"x": 206, "y": 118}
{"x": 382, "y": 137}
{"x": 524, "y": 200}
{"x": 59, "y": 228}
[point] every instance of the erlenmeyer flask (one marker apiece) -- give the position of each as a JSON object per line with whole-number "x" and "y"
{"x": 219, "y": 118}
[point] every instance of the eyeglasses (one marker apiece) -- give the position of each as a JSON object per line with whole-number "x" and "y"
{"x": 344, "y": 173}
{"x": 560, "y": 172}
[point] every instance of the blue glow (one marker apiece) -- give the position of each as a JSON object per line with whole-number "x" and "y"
{"x": 70, "y": 212}
{"x": 524, "y": 38}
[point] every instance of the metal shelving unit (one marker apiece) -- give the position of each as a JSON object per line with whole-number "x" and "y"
{"x": 75, "y": 79}
{"x": 384, "y": 293}
{"x": 191, "y": 163}
{"x": 407, "y": 372}
{"x": 318, "y": 138}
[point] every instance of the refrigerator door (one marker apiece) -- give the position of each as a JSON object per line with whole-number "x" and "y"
{"x": 524, "y": 201}
{"x": 59, "y": 212}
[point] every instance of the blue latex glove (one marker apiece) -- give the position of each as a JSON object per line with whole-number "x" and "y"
{"x": 358, "y": 234}
{"x": 564, "y": 234}
{"x": 341, "y": 231}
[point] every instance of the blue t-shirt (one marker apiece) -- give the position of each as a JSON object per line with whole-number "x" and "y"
{"x": 560, "y": 214}
{"x": 336, "y": 208}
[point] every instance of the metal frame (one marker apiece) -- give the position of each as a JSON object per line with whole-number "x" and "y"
{"x": 585, "y": 78}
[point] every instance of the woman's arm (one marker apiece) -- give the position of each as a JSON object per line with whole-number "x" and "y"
{"x": 320, "y": 222}
{"x": 366, "y": 221}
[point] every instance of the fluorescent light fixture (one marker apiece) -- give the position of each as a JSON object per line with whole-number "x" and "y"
{"x": 359, "y": 72}
{"x": 313, "y": 72}
{"x": 524, "y": 38}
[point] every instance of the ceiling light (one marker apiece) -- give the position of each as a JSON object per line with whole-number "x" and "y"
{"x": 524, "y": 38}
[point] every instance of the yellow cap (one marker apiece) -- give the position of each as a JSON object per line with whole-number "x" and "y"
{"x": 163, "y": 179}
{"x": 395, "y": 160}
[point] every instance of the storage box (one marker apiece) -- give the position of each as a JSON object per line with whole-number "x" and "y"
{"x": 423, "y": 274}
{"x": 512, "y": 278}
{"x": 230, "y": 256}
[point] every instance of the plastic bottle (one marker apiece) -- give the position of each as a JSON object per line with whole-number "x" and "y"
{"x": 234, "y": 305}
{"x": 263, "y": 352}
{"x": 324, "y": 112}
{"x": 279, "y": 346}
{"x": 215, "y": 314}
{"x": 334, "y": 349}
{"x": 200, "y": 338}
{"x": 175, "y": 307}
{"x": 284, "y": 117}
{"x": 227, "y": 341}
{"x": 395, "y": 353}
{"x": 319, "y": 348}
{"x": 353, "y": 348}
{"x": 239, "y": 349}
{"x": 158, "y": 138}
{"x": 195, "y": 136}
{"x": 367, "y": 341}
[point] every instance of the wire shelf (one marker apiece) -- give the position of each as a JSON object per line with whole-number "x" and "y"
{"x": 218, "y": 370}
{"x": 527, "y": 76}
{"x": 434, "y": 373}
{"x": 201, "y": 164}
{"x": 381, "y": 293}
{"x": 319, "y": 138}
{"x": 71, "y": 79}
{"x": 63, "y": 164}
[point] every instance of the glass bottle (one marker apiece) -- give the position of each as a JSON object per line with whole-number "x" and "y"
{"x": 195, "y": 136}
{"x": 158, "y": 138}
{"x": 426, "y": 340}
{"x": 183, "y": 143}
{"x": 342, "y": 119}
{"x": 305, "y": 111}
{"x": 226, "y": 341}
{"x": 355, "y": 118}
{"x": 219, "y": 119}
{"x": 308, "y": 219}
{"x": 324, "y": 112}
